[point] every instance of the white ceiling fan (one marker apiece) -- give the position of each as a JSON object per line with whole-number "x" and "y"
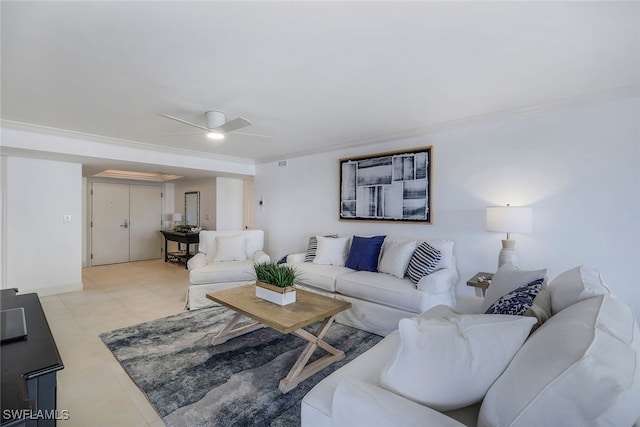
{"x": 218, "y": 126}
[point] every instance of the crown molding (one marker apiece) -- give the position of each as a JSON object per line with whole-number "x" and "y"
{"x": 632, "y": 91}
{"x": 28, "y": 127}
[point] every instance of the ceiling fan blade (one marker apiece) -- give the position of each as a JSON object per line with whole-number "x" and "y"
{"x": 185, "y": 122}
{"x": 255, "y": 135}
{"x": 234, "y": 124}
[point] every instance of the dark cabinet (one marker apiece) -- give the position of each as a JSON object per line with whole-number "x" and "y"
{"x": 29, "y": 367}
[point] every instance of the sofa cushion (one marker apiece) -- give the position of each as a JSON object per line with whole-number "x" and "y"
{"x": 319, "y": 276}
{"x": 230, "y": 248}
{"x": 381, "y": 288}
{"x": 364, "y": 253}
{"x": 423, "y": 261}
{"x": 359, "y": 403}
{"x": 450, "y": 360}
{"x": 396, "y": 256}
{"x": 580, "y": 368}
{"x": 541, "y": 307}
{"x": 221, "y": 272}
{"x": 507, "y": 278}
{"x": 331, "y": 250}
{"x": 518, "y": 301}
{"x": 575, "y": 285}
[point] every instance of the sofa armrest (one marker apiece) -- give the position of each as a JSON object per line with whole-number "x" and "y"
{"x": 296, "y": 258}
{"x": 439, "y": 281}
{"x": 358, "y": 403}
{"x": 197, "y": 261}
{"x": 261, "y": 257}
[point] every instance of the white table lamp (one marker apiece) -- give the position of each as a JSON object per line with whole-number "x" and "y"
{"x": 509, "y": 219}
{"x": 176, "y": 217}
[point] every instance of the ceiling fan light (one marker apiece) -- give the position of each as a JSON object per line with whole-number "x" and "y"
{"x": 217, "y": 136}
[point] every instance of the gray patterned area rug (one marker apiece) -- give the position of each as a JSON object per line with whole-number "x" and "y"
{"x": 192, "y": 383}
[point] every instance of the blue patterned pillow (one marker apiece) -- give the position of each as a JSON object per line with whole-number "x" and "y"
{"x": 518, "y": 301}
{"x": 423, "y": 262}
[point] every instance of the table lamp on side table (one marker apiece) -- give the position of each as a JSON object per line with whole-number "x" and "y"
{"x": 177, "y": 219}
{"x": 509, "y": 219}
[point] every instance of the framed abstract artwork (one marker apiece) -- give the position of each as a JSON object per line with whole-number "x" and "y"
{"x": 392, "y": 186}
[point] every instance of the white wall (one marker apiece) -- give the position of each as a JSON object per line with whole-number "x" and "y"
{"x": 207, "y": 189}
{"x": 578, "y": 168}
{"x": 229, "y": 204}
{"x": 43, "y": 253}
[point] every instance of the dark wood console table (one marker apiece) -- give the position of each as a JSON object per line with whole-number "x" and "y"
{"x": 186, "y": 238}
{"x": 29, "y": 367}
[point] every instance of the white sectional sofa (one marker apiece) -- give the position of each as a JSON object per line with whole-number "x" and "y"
{"x": 581, "y": 367}
{"x": 225, "y": 259}
{"x": 379, "y": 299}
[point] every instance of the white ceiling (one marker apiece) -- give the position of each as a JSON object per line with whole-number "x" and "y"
{"x": 312, "y": 75}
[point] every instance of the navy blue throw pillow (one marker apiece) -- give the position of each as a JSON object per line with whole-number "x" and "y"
{"x": 518, "y": 301}
{"x": 364, "y": 253}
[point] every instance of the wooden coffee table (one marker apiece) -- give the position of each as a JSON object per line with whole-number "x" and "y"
{"x": 309, "y": 308}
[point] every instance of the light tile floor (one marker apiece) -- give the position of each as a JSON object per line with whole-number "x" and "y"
{"x": 92, "y": 386}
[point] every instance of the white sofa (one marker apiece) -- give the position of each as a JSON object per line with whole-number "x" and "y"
{"x": 379, "y": 300}
{"x": 225, "y": 259}
{"x": 581, "y": 367}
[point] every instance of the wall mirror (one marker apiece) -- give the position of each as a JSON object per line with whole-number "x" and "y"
{"x": 192, "y": 208}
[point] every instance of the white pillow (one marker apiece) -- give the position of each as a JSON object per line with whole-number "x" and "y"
{"x": 507, "y": 278}
{"x": 446, "y": 251}
{"x": 331, "y": 250}
{"x": 580, "y": 368}
{"x": 230, "y": 248}
{"x": 576, "y": 285}
{"x": 450, "y": 362}
{"x": 396, "y": 256}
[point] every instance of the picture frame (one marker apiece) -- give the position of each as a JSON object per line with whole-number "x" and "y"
{"x": 390, "y": 186}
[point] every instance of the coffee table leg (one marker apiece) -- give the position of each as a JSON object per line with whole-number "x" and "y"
{"x": 228, "y": 332}
{"x": 300, "y": 370}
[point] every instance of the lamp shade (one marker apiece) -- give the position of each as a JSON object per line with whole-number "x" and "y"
{"x": 177, "y": 217}
{"x": 509, "y": 219}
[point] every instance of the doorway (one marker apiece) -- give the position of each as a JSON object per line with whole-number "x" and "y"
{"x": 125, "y": 222}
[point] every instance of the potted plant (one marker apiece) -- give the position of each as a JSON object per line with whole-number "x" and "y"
{"x": 275, "y": 283}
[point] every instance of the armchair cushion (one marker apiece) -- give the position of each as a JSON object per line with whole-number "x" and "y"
{"x": 230, "y": 248}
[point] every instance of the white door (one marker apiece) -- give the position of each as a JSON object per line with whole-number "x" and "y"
{"x": 126, "y": 223}
{"x": 145, "y": 208}
{"x": 110, "y": 223}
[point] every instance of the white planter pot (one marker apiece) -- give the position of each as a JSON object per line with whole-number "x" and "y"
{"x": 274, "y": 294}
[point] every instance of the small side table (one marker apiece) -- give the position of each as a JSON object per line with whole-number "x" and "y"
{"x": 186, "y": 238}
{"x": 481, "y": 282}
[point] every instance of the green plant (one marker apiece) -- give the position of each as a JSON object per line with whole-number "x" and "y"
{"x": 276, "y": 274}
{"x": 182, "y": 228}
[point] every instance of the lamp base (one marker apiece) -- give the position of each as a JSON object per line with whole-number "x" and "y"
{"x": 508, "y": 253}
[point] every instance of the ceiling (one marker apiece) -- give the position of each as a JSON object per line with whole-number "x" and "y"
{"x": 311, "y": 75}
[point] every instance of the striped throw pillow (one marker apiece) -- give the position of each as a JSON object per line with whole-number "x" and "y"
{"x": 423, "y": 262}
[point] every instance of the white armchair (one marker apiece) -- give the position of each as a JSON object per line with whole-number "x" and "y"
{"x": 225, "y": 259}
